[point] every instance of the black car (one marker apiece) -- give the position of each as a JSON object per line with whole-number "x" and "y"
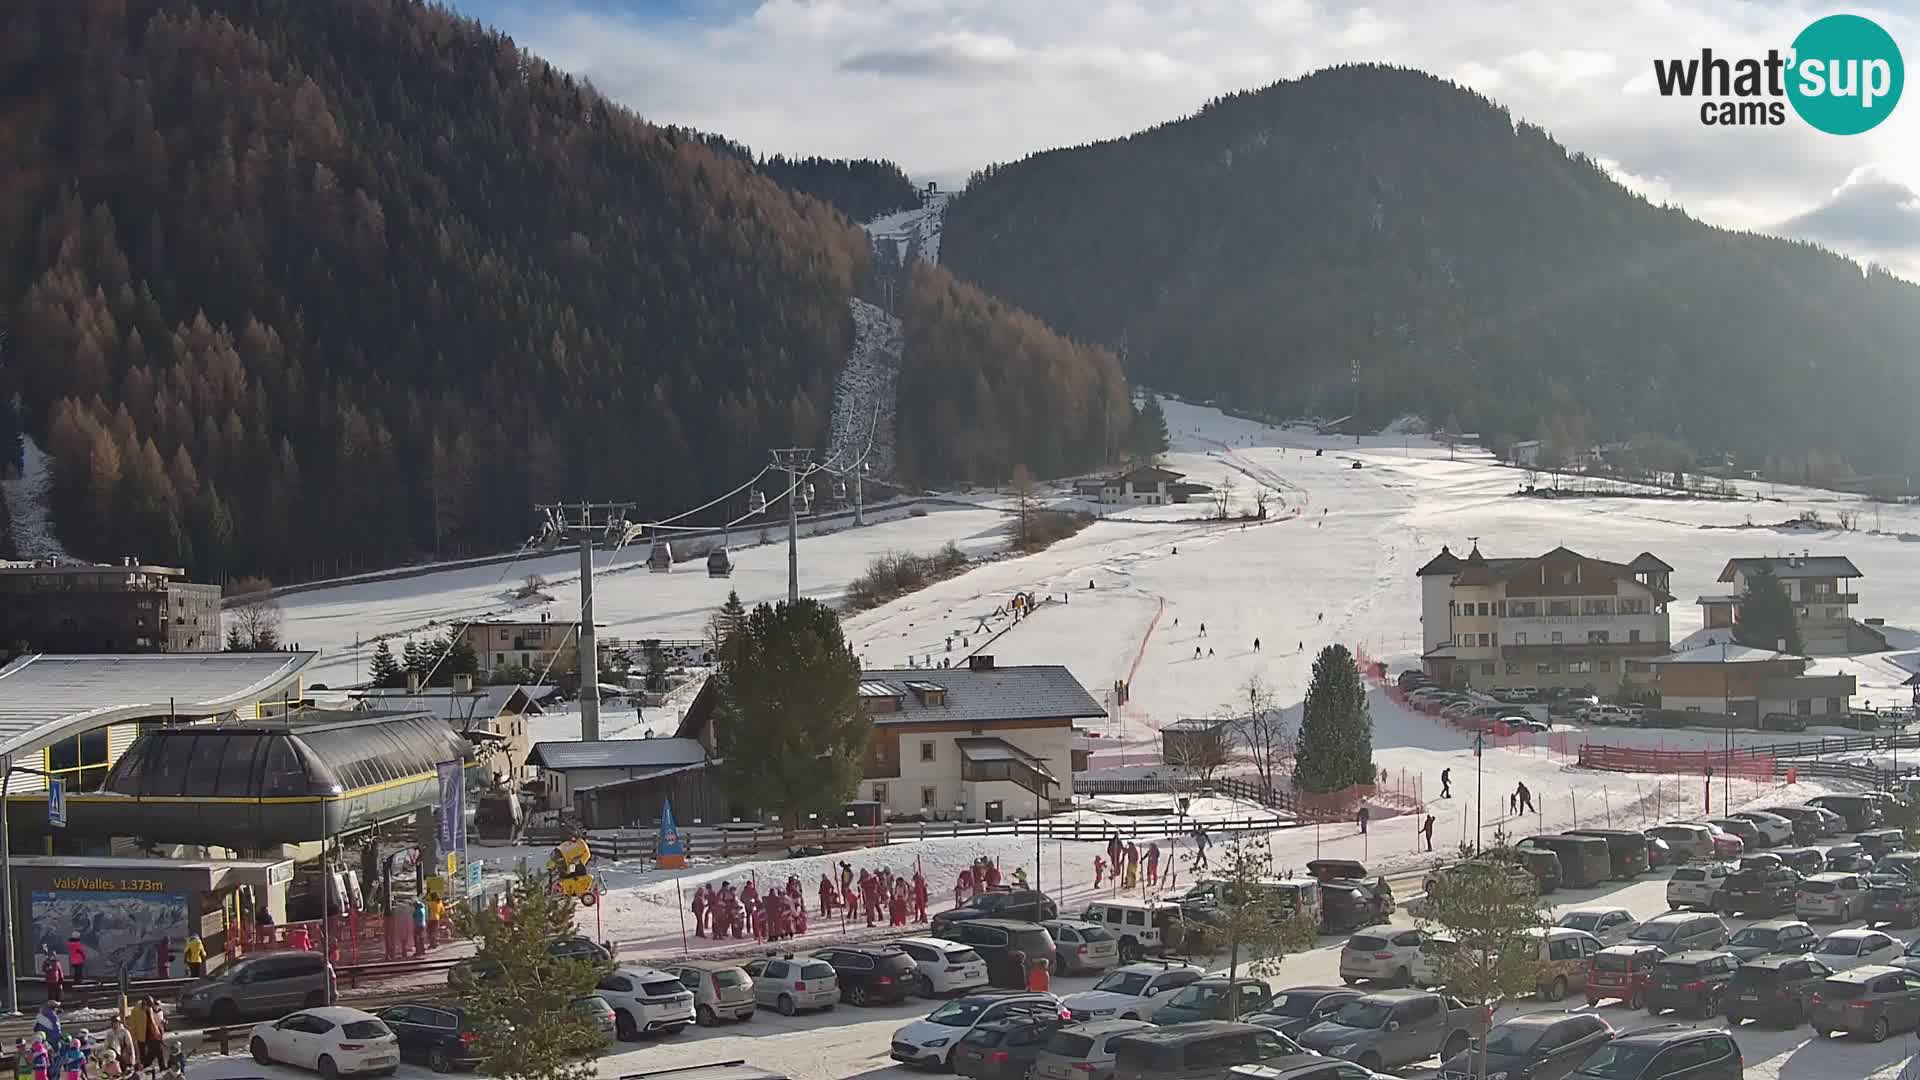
{"x": 1859, "y": 811}
{"x": 1027, "y": 905}
{"x": 997, "y": 941}
{"x": 1904, "y": 863}
{"x": 872, "y": 974}
{"x": 1774, "y": 989}
{"x": 1758, "y": 892}
{"x": 434, "y": 1033}
{"x": 1666, "y": 1052}
{"x": 572, "y": 947}
{"x": 1538, "y": 1046}
{"x": 1695, "y": 982}
{"x": 1893, "y": 901}
{"x": 1626, "y": 850}
{"x": 1347, "y": 906}
{"x": 1298, "y": 1008}
{"x": 1005, "y": 1049}
{"x": 1808, "y": 824}
{"x": 1880, "y": 843}
{"x": 1772, "y": 937}
{"x": 1804, "y": 861}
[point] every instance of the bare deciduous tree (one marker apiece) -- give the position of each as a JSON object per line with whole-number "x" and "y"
{"x": 1223, "y": 498}
{"x": 1262, "y": 730}
{"x": 1261, "y": 497}
{"x": 252, "y": 616}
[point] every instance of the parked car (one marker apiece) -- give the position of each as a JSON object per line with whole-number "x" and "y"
{"x": 1804, "y": 861}
{"x": 1005, "y": 1049}
{"x": 570, "y": 947}
{"x": 1610, "y": 925}
{"x": 1859, "y": 811}
{"x": 1747, "y": 831}
{"x": 1809, "y": 824}
{"x": 1844, "y": 950}
{"x": 1909, "y": 957}
{"x": 1141, "y": 927}
{"x": 943, "y": 967}
{"x": 1904, "y": 863}
{"x": 1394, "y": 1028}
{"x": 1214, "y": 998}
{"x": 1082, "y": 946}
{"x": 932, "y": 1039}
{"x": 332, "y": 1040}
{"x": 1774, "y": 989}
{"x": 1622, "y": 972}
{"x": 1760, "y": 860}
{"x": 1133, "y": 992}
{"x": 1564, "y": 956}
{"x": 1893, "y": 901}
{"x": 598, "y": 1015}
{"x": 1849, "y": 857}
{"x": 433, "y": 1033}
{"x": 1690, "y": 841}
{"x": 646, "y": 1000}
{"x": 1389, "y": 954}
{"x": 1838, "y": 896}
{"x": 1758, "y": 892}
{"x": 1870, "y": 1001}
{"x": 872, "y": 974}
{"x": 1083, "y": 1051}
{"x": 1666, "y": 1051}
{"x": 1584, "y": 860}
{"x": 792, "y": 983}
{"x": 721, "y": 990}
{"x": 1626, "y": 850}
{"x": 1694, "y": 981}
{"x": 1880, "y": 843}
{"x": 1781, "y": 937}
{"x": 997, "y": 940}
{"x": 1696, "y": 888}
{"x": 1726, "y": 845}
{"x": 1603, "y": 714}
{"x": 265, "y": 984}
{"x": 1681, "y": 932}
{"x": 1298, "y": 1008}
{"x": 1026, "y": 905}
{"x": 1537, "y": 1046}
{"x": 1783, "y": 721}
{"x": 1346, "y": 906}
{"x": 1203, "y": 1050}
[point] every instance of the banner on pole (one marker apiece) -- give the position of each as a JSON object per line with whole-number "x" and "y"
{"x": 668, "y": 852}
{"x": 453, "y": 807}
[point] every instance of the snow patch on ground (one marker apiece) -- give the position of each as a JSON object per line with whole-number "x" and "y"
{"x": 29, "y": 506}
{"x": 912, "y": 234}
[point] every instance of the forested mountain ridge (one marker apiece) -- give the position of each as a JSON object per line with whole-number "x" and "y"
{"x": 299, "y": 288}
{"x": 1377, "y": 238}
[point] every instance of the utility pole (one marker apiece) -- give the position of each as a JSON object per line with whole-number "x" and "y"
{"x": 580, "y": 521}
{"x": 859, "y": 495}
{"x": 794, "y": 460}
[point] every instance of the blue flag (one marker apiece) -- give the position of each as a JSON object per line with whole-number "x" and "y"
{"x": 669, "y": 851}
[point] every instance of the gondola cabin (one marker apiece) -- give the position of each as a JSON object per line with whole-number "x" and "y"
{"x": 719, "y": 563}
{"x": 660, "y": 558}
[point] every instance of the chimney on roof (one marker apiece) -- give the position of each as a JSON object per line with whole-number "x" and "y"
{"x": 980, "y": 662}
{"x": 463, "y": 683}
{"x": 413, "y": 682}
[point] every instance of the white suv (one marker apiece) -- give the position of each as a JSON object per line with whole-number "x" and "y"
{"x": 945, "y": 967}
{"x": 1140, "y": 926}
{"x": 646, "y": 1000}
{"x": 1696, "y": 888}
{"x": 1388, "y": 954}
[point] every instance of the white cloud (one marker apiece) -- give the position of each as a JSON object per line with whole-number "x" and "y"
{"x": 946, "y": 86}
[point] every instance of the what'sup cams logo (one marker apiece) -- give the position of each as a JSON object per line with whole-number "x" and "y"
{"x": 1843, "y": 76}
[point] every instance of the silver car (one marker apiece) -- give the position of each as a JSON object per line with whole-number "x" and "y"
{"x": 1831, "y": 896}
{"x": 1082, "y": 946}
{"x": 1084, "y": 1051}
{"x": 791, "y": 983}
{"x": 1610, "y": 925}
{"x": 721, "y": 990}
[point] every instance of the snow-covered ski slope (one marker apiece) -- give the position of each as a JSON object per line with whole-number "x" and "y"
{"x": 29, "y": 508}
{"x": 913, "y": 234}
{"x": 865, "y": 393}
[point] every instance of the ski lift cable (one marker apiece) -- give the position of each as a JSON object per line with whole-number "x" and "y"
{"x": 764, "y": 469}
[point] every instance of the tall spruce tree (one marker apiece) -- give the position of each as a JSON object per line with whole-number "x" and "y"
{"x": 1336, "y": 731}
{"x": 1766, "y": 613}
{"x": 788, "y": 730}
{"x": 460, "y": 658}
{"x": 1150, "y": 428}
{"x": 385, "y": 672}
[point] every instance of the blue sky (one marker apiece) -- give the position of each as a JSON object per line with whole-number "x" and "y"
{"x": 946, "y": 86}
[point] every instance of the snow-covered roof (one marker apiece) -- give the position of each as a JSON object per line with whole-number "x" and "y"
{"x": 1024, "y": 692}
{"x": 617, "y": 754}
{"x": 1724, "y": 654}
{"x": 45, "y": 698}
{"x": 481, "y": 702}
{"x": 1795, "y": 566}
{"x": 1718, "y": 598}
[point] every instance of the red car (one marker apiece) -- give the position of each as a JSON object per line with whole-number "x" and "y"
{"x": 1623, "y": 972}
{"x": 1725, "y": 844}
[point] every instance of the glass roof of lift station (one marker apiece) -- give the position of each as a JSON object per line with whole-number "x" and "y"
{"x": 285, "y": 759}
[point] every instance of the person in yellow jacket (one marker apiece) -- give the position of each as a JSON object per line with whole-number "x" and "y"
{"x": 436, "y": 918}
{"x": 195, "y": 954}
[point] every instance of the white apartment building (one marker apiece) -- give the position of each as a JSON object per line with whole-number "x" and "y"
{"x": 1558, "y": 619}
{"x": 1820, "y": 588}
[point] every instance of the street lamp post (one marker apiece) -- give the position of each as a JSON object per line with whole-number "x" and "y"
{"x": 1479, "y": 771}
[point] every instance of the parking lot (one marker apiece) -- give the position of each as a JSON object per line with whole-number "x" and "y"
{"x": 848, "y": 1042}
